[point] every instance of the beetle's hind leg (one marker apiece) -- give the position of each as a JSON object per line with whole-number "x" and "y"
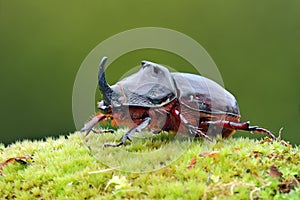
{"x": 240, "y": 126}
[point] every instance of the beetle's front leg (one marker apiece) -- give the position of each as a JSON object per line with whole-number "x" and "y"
{"x": 90, "y": 124}
{"x": 128, "y": 134}
{"x": 102, "y": 131}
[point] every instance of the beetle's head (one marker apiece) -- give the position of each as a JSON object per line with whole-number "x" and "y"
{"x": 152, "y": 85}
{"x": 104, "y": 108}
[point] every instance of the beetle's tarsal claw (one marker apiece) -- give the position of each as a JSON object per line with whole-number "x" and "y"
{"x": 87, "y": 133}
{"x": 203, "y": 135}
{"x": 95, "y": 131}
{"x": 83, "y": 130}
{"x": 102, "y": 131}
{"x": 129, "y": 137}
{"x": 194, "y": 130}
{"x": 124, "y": 138}
{"x": 113, "y": 145}
{"x": 209, "y": 139}
{"x": 261, "y": 130}
{"x": 109, "y": 131}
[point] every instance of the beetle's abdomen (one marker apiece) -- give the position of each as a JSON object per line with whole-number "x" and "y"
{"x": 204, "y": 95}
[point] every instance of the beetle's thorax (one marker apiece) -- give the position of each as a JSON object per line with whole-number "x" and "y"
{"x": 152, "y": 86}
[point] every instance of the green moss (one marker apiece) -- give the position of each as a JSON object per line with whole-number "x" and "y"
{"x": 78, "y": 167}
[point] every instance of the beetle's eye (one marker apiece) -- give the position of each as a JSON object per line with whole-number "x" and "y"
{"x": 155, "y": 70}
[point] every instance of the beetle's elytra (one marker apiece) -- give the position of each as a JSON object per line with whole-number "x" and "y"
{"x": 157, "y": 99}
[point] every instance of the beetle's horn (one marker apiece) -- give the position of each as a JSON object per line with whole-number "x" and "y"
{"x": 103, "y": 85}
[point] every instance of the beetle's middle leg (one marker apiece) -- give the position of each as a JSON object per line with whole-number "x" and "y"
{"x": 239, "y": 126}
{"x": 128, "y": 134}
{"x": 192, "y": 129}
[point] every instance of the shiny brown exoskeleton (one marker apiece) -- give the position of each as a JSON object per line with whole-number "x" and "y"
{"x": 157, "y": 99}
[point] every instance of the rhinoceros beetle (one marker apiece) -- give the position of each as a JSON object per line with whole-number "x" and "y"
{"x": 162, "y": 100}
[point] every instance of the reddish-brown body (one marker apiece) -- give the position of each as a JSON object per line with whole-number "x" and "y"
{"x": 159, "y": 100}
{"x": 162, "y": 119}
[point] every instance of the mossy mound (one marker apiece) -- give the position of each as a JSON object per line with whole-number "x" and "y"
{"x": 236, "y": 168}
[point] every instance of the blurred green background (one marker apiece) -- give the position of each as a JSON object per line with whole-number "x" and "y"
{"x": 255, "y": 45}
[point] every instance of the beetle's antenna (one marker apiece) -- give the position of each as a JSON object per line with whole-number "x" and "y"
{"x": 103, "y": 85}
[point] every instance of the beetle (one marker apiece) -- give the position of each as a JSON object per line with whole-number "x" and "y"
{"x": 161, "y": 100}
